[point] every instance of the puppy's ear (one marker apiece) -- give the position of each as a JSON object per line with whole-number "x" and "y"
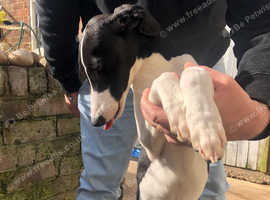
{"x": 134, "y": 17}
{"x": 149, "y": 26}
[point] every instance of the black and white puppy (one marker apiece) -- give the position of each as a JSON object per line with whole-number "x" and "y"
{"x": 117, "y": 52}
{"x": 109, "y": 48}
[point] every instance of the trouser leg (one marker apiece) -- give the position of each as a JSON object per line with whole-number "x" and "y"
{"x": 216, "y": 185}
{"x": 105, "y": 153}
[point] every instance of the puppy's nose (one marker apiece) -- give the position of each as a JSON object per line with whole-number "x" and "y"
{"x": 100, "y": 121}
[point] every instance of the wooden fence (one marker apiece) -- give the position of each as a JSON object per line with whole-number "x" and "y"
{"x": 254, "y": 155}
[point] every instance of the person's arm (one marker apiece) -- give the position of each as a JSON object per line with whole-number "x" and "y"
{"x": 243, "y": 103}
{"x": 59, "y": 25}
{"x": 252, "y": 49}
{"x": 243, "y": 118}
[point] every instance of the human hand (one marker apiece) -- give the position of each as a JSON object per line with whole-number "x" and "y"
{"x": 242, "y": 117}
{"x": 156, "y": 116}
{"x": 71, "y": 101}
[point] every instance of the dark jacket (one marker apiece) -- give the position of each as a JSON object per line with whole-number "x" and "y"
{"x": 202, "y": 35}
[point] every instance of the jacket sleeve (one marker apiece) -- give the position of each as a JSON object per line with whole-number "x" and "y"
{"x": 58, "y": 26}
{"x": 254, "y": 71}
{"x": 250, "y": 29}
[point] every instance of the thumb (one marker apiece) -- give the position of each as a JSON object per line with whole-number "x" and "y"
{"x": 215, "y": 75}
{"x": 189, "y": 64}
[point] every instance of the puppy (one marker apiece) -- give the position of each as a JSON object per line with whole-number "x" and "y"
{"x": 118, "y": 52}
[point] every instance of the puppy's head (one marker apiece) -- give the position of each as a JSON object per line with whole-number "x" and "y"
{"x": 109, "y": 48}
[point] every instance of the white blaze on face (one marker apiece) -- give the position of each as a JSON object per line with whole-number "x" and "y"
{"x": 103, "y": 104}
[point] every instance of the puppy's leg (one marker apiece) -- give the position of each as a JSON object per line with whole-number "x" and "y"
{"x": 143, "y": 165}
{"x": 166, "y": 92}
{"x": 202, "y": 115}
{"x": 158, "y": 181}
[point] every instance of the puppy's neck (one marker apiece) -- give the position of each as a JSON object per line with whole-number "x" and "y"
{"x": 145, "y": 70}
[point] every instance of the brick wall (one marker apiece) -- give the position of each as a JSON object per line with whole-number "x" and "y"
{"x": 19, "y": 9}
{"x": 39, "y": 138}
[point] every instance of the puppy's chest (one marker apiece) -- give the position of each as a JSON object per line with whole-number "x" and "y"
{"x": 151, "y": 68}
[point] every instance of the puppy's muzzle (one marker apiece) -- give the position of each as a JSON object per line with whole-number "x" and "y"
{"x": 99, "y": 121}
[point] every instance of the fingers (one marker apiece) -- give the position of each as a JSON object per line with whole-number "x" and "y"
{"x": 213, "y": 73}
{"x": 218, "y": 78}
{"x": 156, "y": 117}
{"x": 189, "y": 64}
{"x": 171, "y": 140}
{"x": 154, "y": 114}
{"x": 72, "y": 104}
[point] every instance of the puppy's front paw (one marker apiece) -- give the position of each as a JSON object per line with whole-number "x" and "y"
{"x": 209, "y": 139}
{"x": 202, "y": 115}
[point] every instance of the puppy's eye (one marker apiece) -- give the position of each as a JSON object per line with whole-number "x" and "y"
{"x": 98, "y": 65}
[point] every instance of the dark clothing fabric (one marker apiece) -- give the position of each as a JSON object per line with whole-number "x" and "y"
{"x": 201, "y": 35}
{"x": 264, "y": 134}
{"x": 58, "y": 24}
{"x": 250, "y": 23}
{"x": 254, "y": 68}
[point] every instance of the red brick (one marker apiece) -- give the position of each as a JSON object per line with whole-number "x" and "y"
{"x": 21, "y": 12}
{"x": 14, "y": 109}
{"x": 39, "y": 172}
{"x": 25, "y": 155}
{"x": 3, "y": 82}
{"x": 71, "y": 165}
{"x": 18, "y": 80}
{"x": 27, "y": 131}
{"x": 37, "y": 81}
{"x": 50, "y": 106}
{"x": 8, "y": 159}
{"x": 68, "y": 126}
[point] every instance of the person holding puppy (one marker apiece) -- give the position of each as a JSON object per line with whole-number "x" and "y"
{"x": 243, "y": 102}
{"x": 106, "y": 154}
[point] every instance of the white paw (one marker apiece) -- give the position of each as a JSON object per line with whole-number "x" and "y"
{"x": 191, "y": 110}
{"x": 204, "y": 121}
{"x": 209, "y": 139}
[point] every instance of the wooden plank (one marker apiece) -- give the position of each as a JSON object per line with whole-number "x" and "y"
{"x": 224, "y": 156}
{"x": 33, "y": 20}
{"x": 11, "y": 27}
{"x": 242, "y": 154}
{"x": 268, "y": 169}
{"x": 231, "y": 153}
{"x": 263, "y": 155}
{"x": 253, "y": 155}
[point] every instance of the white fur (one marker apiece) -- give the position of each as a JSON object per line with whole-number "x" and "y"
{"x": 177, "y": 172}
{"x": 104, "y": 105}
{"x": 203, "y": 119}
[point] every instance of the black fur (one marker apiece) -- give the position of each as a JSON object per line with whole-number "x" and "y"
{"x": 111, "y": 44}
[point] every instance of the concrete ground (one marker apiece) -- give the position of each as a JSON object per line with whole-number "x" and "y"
{"x": 239, "y": 190}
